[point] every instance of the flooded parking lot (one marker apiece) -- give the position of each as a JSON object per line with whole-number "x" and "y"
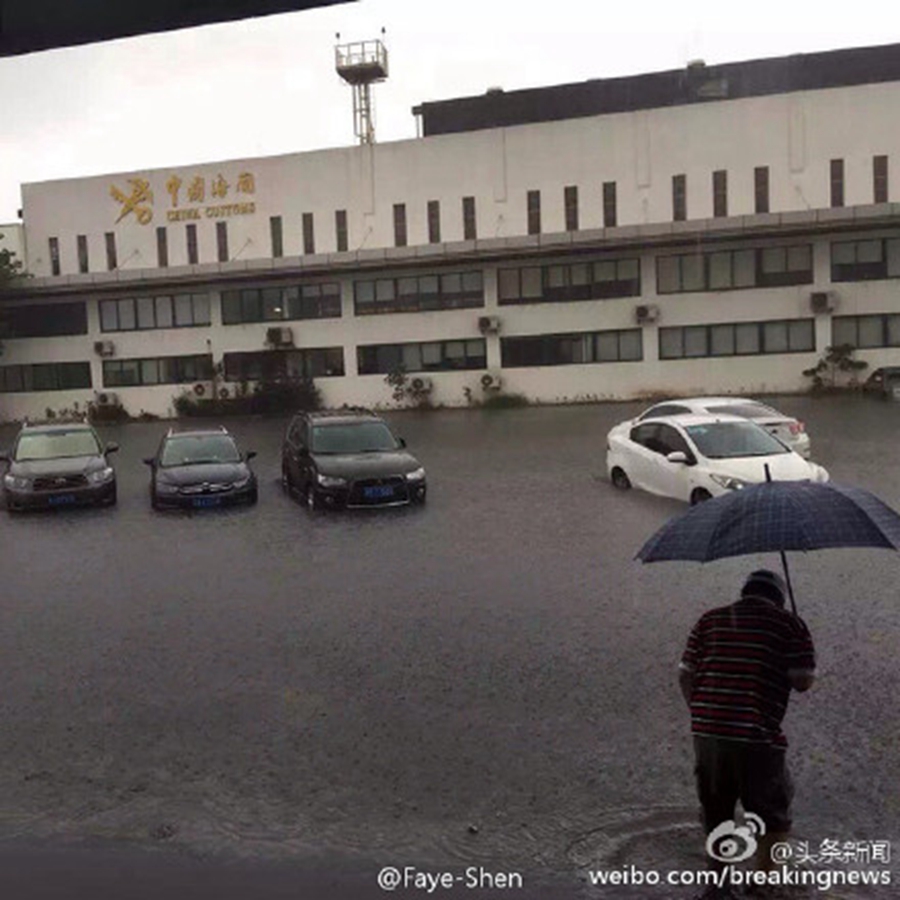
{"x": 487, "y": 680}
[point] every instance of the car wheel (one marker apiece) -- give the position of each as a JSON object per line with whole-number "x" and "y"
{"x": 286, "y": 479}
{"x": 620, "y": 480}
{"x": 700, "y": 495}
{"x": 112, "y": 498}
{"x": 312, "y": 499}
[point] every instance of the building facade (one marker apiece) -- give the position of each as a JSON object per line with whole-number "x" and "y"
{"x": 709, "y": 230}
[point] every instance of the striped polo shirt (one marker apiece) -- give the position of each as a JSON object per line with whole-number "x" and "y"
{"x": 740, "y": 656}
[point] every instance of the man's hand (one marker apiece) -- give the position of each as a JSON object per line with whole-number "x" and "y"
{"x": 686, "y": 683}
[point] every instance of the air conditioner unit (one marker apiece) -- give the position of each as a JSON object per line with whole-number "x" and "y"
{"x": 280, "y": 337}
{"x": 646, "y": 312}
{"x": 491, "y": 381}
{"x": 107, "y": 398}
{"x": 488, "y": 324}
{"x": 822, "y": 301}
{"x": 420, "y": 384}
{"x": 104, "y": 348}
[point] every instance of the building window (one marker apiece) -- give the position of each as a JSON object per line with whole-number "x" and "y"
{"x": 111, "y": 261}
{"x": 222, "y": 241}
{"x": 470, "y": 231}
{"x": 276, "y": 304}
{"x": 861, "y": 332}
{"x": 434, "y": 222}
{"x": 572, "y": 349}
{"x": 534, "y": 212}
{"x": 564, "y": 283}
{"x": 43, "y": 320}
{"x": 68, "y": 376}
{"x": 54, "y": 256}
{"x": 340, "y": 230}
{"x": 610, "y": 218}
{"x": 419, "y": 293}
{"x": 433, "y": 356}
{"x": 679, "y": 198}
{"x": 82, "y": 253}
{"x": 720, "y": 193}
{"x": 837, "y": 182}
{"x": 191, "y": 233}
{"x": 157, "y": 370}
{"x": 724, "y": 270}
{"x": 284, "y": 365}
{"x": 761, "y": 188}
{"x": 309, "y": 237}
{"x": 162, "y": 247}
{"x": 865, "y": 260}
{"x": 570, "y": 199}
{"x": 145, "y": 313}
{"x": 738, "y": 339}
{"x": 399, "y": 224}
{"x": 880, "y": 179}
{"x": 276, "y": 233}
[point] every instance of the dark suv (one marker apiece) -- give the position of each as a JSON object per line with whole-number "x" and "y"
{"x": 200, "y": 468}
{"x": 351, "y": 459}
{"x": 58, "y": 464}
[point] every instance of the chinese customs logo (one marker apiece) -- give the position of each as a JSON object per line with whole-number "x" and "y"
{"x": 138, "y": 202}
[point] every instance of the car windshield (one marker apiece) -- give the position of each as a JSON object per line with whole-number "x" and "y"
{"x": 199, "y": 449}
{"x": 728, "y": 440}
{"x": 57, "y": 445}
{"x": 353, "y": 437}
{"x": 747, "y": 410}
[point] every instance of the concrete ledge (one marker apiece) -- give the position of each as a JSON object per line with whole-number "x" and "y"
{"x": 523, "y": 241}
{"x": 235, "y": 265}
{"x": 375, "y": 255}
{"x": 655, "y": 229}
{"x": 556, "y": 239}
{"x": 623, "y": 232}
{"x": 453, "y": 247}
{"x": 315, "y": 261}
{"x": 590, "y": 235}
{"x": 259, "y": 264}
{"x": 840, "y": 214}
{"x": 797, "y": 217}
{"x": 399, "y": 253}
{"x": 876, "y": 210}
{"x": 425, "y": 251}
{"x": 106, "y": 277}
{"x": 760, "y": 220}
{"x": 488, "y": 244}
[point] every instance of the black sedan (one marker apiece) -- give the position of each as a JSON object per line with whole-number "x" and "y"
{"x": 200, "y": 468}
{"x": 60, "y": 464}
{"x": 349, "y": 459}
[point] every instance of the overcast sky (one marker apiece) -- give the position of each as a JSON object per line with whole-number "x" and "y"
{"x": 268, "y": 86}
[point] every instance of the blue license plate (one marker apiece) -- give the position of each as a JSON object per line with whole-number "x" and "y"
{"x": 61, "y": 500}
{"x": 378, "y": 492}
{"x": 207, "y": 501}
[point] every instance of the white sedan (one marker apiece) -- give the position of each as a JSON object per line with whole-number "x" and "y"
{"x": 787, "y": 429}
{"x": 695, "y": 457}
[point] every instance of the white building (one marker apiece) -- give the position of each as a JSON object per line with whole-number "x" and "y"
{"x": 712, "y": 229}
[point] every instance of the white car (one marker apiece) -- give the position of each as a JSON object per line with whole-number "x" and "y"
{"x": 695, "y": 457}
{"x": 786, "y": 428}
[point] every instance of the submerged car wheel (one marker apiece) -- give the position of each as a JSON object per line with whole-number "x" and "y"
{"x": 312, "y": 499}
{"x": 620, "y": 480}
{"x": 286, "y": 480}
{"x": 700, "y": 495}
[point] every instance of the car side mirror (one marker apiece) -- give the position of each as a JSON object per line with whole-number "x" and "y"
{"x": 111, "y": 447}
{"x": 250, "y": 454}
{"x": 150, "y": 461}
{"x": 678, "y": 456}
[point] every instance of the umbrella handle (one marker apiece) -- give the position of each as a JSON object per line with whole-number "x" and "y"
{"x": 787, "y": 578}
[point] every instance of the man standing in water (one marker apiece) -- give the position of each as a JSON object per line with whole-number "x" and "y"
{"x": 736, "y": 675}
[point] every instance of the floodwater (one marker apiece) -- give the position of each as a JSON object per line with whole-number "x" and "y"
{"x": 486, "y": 681}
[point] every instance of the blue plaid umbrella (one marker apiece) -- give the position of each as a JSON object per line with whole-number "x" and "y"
{"x": 776, "y": 516}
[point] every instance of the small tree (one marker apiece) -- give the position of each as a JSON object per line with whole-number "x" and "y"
{"x": 836, "y": 360}
{"x": 10, "y": 267}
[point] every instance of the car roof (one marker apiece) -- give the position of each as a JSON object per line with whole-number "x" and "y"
{"x": 706, "y": 401}
{"x": 341, "y": 416}
{"x": 39, "y": 427}
{"x": 197, "y": 432}
{"x": 687, "y": 419}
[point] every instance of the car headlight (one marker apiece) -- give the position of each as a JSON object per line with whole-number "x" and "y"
{"x": 16, "y": 483}
{"x": 101, "y": 475}
{"x": 729, "y": 483}
{"x": 416, "y": 475}
{"x": 239, "y": 485}
{"x": 330, "y": 480}
{"x": 166, "y": 487}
